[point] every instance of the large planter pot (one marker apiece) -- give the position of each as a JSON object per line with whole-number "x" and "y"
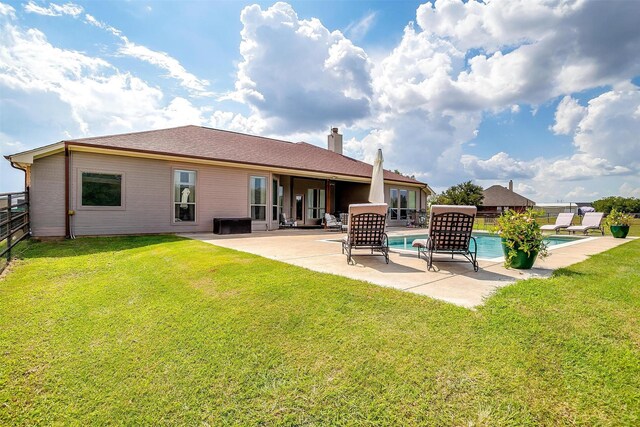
{"x": 522, "y": 261}
{"x": 619, "y": 231}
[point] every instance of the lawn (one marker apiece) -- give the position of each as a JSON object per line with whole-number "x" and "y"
{"x": 163, "y": 330}
{"x": 634, "y": 229}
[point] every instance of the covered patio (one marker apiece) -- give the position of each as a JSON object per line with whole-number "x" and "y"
{"x": 455, "y": 283}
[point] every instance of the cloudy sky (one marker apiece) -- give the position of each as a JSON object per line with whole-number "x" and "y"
{"x": 545, "y": 93}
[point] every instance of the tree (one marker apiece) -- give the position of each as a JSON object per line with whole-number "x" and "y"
{"x": 400, "y": 173}
{"x": 621, "y": 204}
{"x": 466, "y": 193}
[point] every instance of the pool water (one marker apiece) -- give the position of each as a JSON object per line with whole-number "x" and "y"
{"x": 489, "y": 245}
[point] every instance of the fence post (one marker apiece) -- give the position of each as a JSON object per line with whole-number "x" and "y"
{"x": 9, "y": 227}
{"x": 27, "y": 218}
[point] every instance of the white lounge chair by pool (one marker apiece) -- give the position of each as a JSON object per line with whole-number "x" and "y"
{"x": 590, "y": 221}
{"x": 563, "y": 221}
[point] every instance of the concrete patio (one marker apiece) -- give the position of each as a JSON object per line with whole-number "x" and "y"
{"x": 453, "y": 282}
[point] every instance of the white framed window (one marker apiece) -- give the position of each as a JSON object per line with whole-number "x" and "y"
{"x": 101, "y": 190}
{"x": 258, "y": 198}
{"x": 315, "y": 203}
{"x": 184, "y": 196}
{"x": 394, "y": 211}
{"x": 402, "y": 204}
{"x": 277, "y": 198}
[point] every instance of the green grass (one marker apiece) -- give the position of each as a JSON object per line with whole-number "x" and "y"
{"x": 162, "y": 330}
{"x": 634, "y": 229}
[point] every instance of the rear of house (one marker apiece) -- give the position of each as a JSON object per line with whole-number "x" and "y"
{"x": 180, "y": 179}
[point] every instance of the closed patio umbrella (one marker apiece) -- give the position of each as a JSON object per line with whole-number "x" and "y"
{"x": 376, "y": 192}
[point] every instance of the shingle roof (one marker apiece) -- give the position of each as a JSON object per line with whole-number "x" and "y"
{"x": 498, "y": 195}
{"x": 214, "y": 144}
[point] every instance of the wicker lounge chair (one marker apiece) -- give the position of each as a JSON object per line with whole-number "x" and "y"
{"x": 449, "y": 232}
{"x": 563, "y": 221}
{"x": 366, "y": 230}
{"x": 286, "y": 223}
{"x": 332, "y": 223}
{"x": 590, "y": 221}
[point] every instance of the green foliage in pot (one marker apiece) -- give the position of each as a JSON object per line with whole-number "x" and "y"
{"x": 616, "y": 218}
{"x": 521, "y": 231}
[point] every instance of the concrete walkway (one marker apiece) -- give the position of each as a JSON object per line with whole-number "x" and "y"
{"x": 453, "y": 282}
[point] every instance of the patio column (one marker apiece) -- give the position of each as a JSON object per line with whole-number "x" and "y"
{"x": 328, "y": 196}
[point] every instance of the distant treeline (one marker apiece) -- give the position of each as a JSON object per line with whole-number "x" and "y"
{"x": 621, "y": 204}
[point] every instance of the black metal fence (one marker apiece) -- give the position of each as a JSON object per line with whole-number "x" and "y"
{"x": 14, "y": 222}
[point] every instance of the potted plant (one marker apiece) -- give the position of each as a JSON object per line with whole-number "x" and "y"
{"x": 521, "y": 238}
{"x": 618, "y": 223}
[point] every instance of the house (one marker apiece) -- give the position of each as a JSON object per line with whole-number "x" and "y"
{"x": 498, "y": 199}
{"x": 180, "y": 179}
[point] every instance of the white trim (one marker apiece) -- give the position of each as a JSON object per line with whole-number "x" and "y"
{"x": 172, "y": 214}
{"x": 27, "y": 157}
{"x": 267, "y": 202}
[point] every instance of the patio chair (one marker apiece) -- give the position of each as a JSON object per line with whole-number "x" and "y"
{"x": 563, "y": 221}
{"x": 449, "y": 233}
{"x": 344, "y": 219}
{"x": 590, "y": 221}
{"x": 332, "y": 223}
{"x": 286, "y": 223}
{"x": 366, "y": 230}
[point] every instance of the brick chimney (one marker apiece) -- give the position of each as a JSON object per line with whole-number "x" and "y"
{"x": 335, "y": 141}
{"x": 510, "y": 185}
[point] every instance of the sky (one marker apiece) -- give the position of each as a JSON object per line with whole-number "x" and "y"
{"x": 546, "y": 93}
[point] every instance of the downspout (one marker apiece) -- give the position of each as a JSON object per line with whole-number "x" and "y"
{"x": 13, "y": 165}
{"x": 67, "y": 222}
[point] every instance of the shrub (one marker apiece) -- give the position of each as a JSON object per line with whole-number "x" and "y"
{"x": 521, "y": 231}
{"x": 618, "y": 218}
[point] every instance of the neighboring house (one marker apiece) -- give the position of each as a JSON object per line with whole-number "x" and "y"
{"x": 180, "y": 179}
{"x": 498, "y": 199}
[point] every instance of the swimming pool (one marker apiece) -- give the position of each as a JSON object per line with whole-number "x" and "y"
{"x": 489, "y": 245}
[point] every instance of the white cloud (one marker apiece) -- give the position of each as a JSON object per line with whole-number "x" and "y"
{"x": 167, "y": 63}
{"x": 630, "y": 190}
{"x": 252, "y": 124}
{"x": 54, "y": 9}
{"x": 100, "y": 98}
{"x": 581, "y": 193}
{"x": 568, "y": 115}
{"x": 90, "y": 19}
{"x": 357, "y": 30}
{"x": 161, "y": 60}
{"x": 500, "y": 165}
{"x": 9, "y": 145}
{"x": 7, "y": 11}
{"x": 610, "y": 128}
{"x": 534, "y": 51}
{"x": 297, "y": 74}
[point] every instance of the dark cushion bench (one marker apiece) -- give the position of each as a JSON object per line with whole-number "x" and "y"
{"x": 231, "y": 225}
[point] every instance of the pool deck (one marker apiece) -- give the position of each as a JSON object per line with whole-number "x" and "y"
{"x": 454, "y": 282}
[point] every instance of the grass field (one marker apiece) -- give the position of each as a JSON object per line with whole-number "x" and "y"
{"x": 162, "y": 330}
{"x": 634, "y": 230}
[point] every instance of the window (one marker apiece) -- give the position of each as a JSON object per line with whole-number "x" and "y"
{"x": 299, "y": 207}
{"x": 101, "y": 189}
{"x": 393, "y": 204}
{"x": 277, "y": 199}
{"x": 411, "y": 203}
{"x": 315, "y": 203}
{"x": 402, "y": 204}
{"x": 258, "y": 198}
{"x": 184, "y": 196}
